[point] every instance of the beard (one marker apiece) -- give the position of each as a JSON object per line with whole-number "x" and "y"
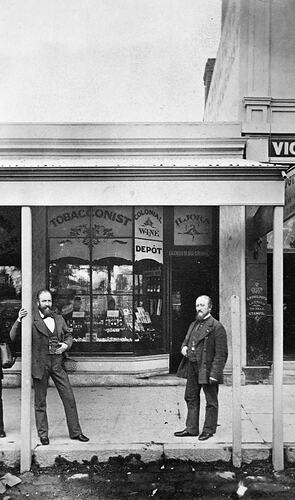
{"x": 200, "y": 316}
{"x": 46, "y": 311}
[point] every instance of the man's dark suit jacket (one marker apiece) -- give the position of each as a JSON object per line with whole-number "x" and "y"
{"x": 40, "y": 336}
{"x": 212, "y": 345}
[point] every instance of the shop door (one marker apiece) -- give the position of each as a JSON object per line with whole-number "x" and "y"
{"x": 191, "y": 277}
{"x": 289, "y": 301}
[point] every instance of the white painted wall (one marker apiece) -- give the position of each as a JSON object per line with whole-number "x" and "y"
{"x": 255, "y": 57}
{"x": 105, "y": 60}
{"x": 223, "y": 99}
{"x": 283, "y": 49}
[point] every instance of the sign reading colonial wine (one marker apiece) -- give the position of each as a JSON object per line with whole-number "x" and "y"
{"x": 148, "y": 223}
{"x": 192, "y": 226}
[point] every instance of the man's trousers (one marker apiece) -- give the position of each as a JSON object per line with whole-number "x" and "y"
{"x": 55, "y": 370}
{"x": 1, "y": 408}
{"x": 192, "y": 398}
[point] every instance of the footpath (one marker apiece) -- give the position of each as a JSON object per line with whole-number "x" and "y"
{"x": 142, "y": 420}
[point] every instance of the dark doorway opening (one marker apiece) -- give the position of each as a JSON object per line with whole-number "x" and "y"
{"x": 190, "y": 277}
{"x": 289, "y": 301}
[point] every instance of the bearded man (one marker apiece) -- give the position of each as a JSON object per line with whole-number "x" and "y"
{"x": 205, "y": 346}
{"x": 51, "y": 338}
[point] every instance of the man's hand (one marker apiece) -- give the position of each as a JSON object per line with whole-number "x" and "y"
{"x": 21, "y": 314}
{"x": 62, "y": 348}
{"x": 184, "y": 351}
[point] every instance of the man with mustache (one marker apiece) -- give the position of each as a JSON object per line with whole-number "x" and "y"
{"x": 205, "y": 346}
{"x": 51, "y": 338}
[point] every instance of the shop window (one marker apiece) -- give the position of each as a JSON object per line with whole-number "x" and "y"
{"x": 105, "y": 274}
{"x": 288, "y": 236}
{"x": 10, "y": 272}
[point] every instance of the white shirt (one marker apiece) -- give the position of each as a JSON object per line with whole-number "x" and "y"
{"x": 49, "y": 322}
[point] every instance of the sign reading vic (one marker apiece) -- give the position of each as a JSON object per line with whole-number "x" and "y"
{"x": 282, "y": 147}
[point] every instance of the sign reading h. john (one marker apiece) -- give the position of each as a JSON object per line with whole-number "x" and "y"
{"x": 192, "y": 226}
{"x": 282, "y": 147}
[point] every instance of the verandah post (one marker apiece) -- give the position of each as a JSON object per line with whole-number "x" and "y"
{"x": 277, "y": 427}
{"x": 26, "y": 343}
{"x": 236, "y": 384}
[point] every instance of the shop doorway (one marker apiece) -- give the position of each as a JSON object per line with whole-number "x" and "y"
{"x": 190, "y": 277}
{"x": 289, "y": 301}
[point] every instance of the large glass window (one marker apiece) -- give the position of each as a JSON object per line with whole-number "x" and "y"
{"x": 105, "y": 274}
{"x": 10, "y": 272}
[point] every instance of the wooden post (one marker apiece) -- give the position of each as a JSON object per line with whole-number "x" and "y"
{"x": 277, "y": 428}
{"x": 26, "y": 381}
{"x": 236, "y": 385}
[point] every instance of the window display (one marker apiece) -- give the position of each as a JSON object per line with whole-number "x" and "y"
{"x": 108, "y": 290}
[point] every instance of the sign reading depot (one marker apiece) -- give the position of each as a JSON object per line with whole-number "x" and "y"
{"x": 192, "y": 226}
{"x": 148, "y": 230}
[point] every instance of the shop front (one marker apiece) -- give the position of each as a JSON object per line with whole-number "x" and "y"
{"x": 128, "y": 225}
{"x": 125, "y": 278}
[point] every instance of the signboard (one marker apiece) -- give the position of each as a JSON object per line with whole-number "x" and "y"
{"x": 256, "y": 299}
{"x": 148, "y": 230}
{"x": 146, "y": 249}
{"x": 148, "y": 223}
{"x": 192, "y": 226}
{"x": 289, "y": 208}
{"x": 282, "y": 148}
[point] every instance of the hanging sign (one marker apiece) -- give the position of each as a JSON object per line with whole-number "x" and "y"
{"x": 146, "y": 249}
{"x": 148, "y": 223}
{"x": 192, "y": 226}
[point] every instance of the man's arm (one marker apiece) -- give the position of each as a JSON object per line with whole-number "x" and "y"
{"x": 67, "y": 341}
{"x": 15, "y": 329}
{"x": 220, "y": 354}
{"x": 186, "y": 340}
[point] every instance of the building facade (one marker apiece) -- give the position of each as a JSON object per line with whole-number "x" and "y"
{"x": 130, "y": 222}
{"x": 252, "y": 83}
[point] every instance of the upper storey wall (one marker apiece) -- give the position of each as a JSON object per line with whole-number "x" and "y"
{"x": 282, "y": 49}
{"x": 223, "y": 99}
{"x": 255, "y": 57}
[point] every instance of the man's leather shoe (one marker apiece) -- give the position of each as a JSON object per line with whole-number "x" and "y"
{"x": 44, "y": 440}
{"x": 2, "y": 434}
{"x": 184, "y": 433}
{"x": 204, "y": 436}
{"x": 81, "y": 437}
